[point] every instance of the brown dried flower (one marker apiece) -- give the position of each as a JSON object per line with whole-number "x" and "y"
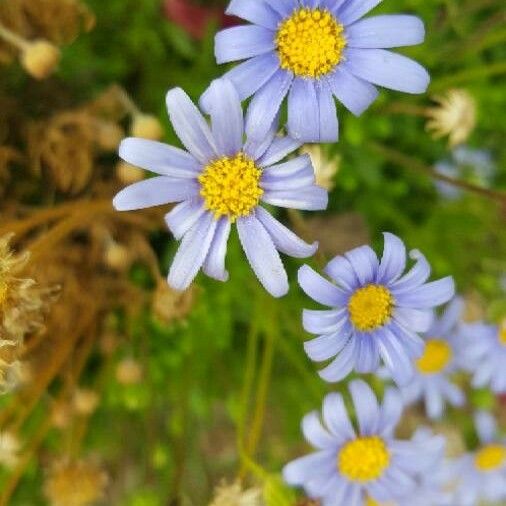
{"x": 170, "y": 305}
{"x": 455, "y": 116}
{"x": 129, "y": 372}
{"x": 234, "y": 495}
{"x": 22, "y": 302}
{"x": 75, "y": 483}
{"x": 40, "y": 58}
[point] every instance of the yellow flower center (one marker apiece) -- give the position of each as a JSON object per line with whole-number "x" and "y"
{"x": 230, "y": 186}
{"x": 490, "y": 458}
{"x": 435, "y": 358}
{"x": 502, "y": 334}
{"x": 370, "y": 307}
{"x": 310, "y": 42}
{"x": 364, "y": 459}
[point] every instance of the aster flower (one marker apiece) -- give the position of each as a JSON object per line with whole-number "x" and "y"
{"x": 482, "y": 474}
{"x": 350, "y": 463}
{"x": 376, "y": 312}
{"x": 430, "y": 381}
{"x": 484, "y": 355}
{"x": 312, "y": 51}
{"x": 219, "y": 181}
{"x": 455, "y": 116}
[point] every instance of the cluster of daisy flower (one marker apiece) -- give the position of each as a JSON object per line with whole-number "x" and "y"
{"x": 379, "y": 318}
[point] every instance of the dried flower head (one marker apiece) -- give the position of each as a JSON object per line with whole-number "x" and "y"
{"x": 75, "y": 483}
{"x": 40, "y": 58}
{"x": 108, "y": 135}
{"x": 85, "y": 401}
{"x": 128, "y": 174}
{"x": 325, "y": 167}
{"x": 10, "y": 447}
{"x": 234, "y": 495}
{"x": 455, "y": 116}
{"x": 146, "y": 127}
{"x": 22, "y": 302}
{"x": 129, "y": 372}
{"x": 11, "y": 368}
{"x": 62, "y": 148}
{"x": 170, "y": 305}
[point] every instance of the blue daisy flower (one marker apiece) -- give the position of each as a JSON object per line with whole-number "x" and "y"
{"x": 484, "y": 355}
{"x": 431, "y": 381}
{"x": 377, "y": 312}
{"x": 482, "y": 474}
{"x": 312, "y": 51}
{"x": 220, "y": 181}
{"x": 353, "y": 466}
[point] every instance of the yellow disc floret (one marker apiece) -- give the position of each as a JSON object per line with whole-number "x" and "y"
{"x": 490, "y": 458}
{"x": 370, "y": 307}
{"x": 364, "y": 459}
{"x": 310, "y": 42}
{"x": 230, "y": 186}
{"x": 435, "y": 358}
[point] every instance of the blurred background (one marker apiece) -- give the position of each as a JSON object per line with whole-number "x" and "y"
{"x": 147, "y": 397}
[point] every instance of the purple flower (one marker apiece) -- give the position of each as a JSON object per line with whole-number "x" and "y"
{"x": 377, "y": 312}
{"x": 353, "y": 466}
{"x": 481, "y": 474}
{"x": 312, "y": 51}
{"x": 484, "y": 355}
{"x": 221, "y": 180}
{"x": 431, "y": 381}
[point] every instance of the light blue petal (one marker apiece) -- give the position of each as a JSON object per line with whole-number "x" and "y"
{"x": 153, "y": 192}
{"x": 393, "y": 261}
{"x": 313, "y": 198}
{"x": 262, "y": 255}
{"x": 364, "y": 262}
{"x": 414, "y": 319}
{"x": 241, "y": 42}
{"x": 284, "y": 7}
{"x": 257, "y": 12}
{"x": 303, "y": 121}
{"x": 386, "y": 31}
{"x": 296, "y": 173}
{"x": 247, "y": 77}
{"x": 214, "y": 265}
{"x": 319, "y": 289}
{"x": 227, "y": 121}
{"x": 290, "y": 168}
{"x": 341, "y": 271}
{"x": 265, "y": 105}
{"x": 279, "y": 149}
{"x": 366, "y": 407}
{"x": 391, "y": 412}
{"x": 417, "y": 275}
{"x": 189, "y": 125}
{"x": 342, "y": 365}
{"x": 367, "y": 355}
{"x": 315, "y": 434}
{"x": 255, "y": 147}
{"x": 327, "y": 346}
{"x": 395, "y": 357}
{"x": 191, "y": 254}
{"x": 412, "y": 342}
{"x": 184, "y": 216}
{"x": 387, "y": 69}
{"x": 449, "y": 320}
{"x": 324, "y": 322}
{"x": 428, "y": 295}
{"x": 327, "y": 114}
{"x": 302, "y": 469}
{"x": 434, "y": 402}
{"x": 284, "y": 239}
{"x": 336, "y": 417}
{"x": 352, "y": 10}
{"x": 354, "y": 93}
{"x": 486, "y": 426}
{"x": 160, "y": 158}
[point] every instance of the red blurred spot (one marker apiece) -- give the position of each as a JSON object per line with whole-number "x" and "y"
{"x": 195, "y": 19}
